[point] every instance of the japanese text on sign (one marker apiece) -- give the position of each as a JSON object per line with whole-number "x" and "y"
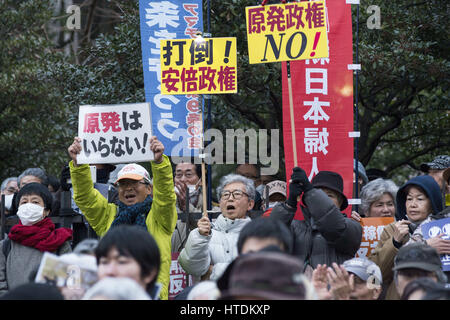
{"x": 283, "y": 32}
{"x": 201, "y": 66}
{"x": 179, "y": 280}
{"x": 115, "y": 133}
{"x": 172, "y": 19}
{"x": 372, "y": 230}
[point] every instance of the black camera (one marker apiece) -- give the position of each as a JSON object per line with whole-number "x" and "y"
{"x": 412, "y": 227}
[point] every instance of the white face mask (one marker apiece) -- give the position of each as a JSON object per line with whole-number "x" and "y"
{"x": 191, "y": 188}
{"x": 261, "y": 189}
{"x": 272, "y": 204}
{"x": 8, "y": 201}
{"x": 30, "y": 213}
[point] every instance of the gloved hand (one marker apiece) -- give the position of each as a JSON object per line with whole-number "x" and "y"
{"x": 299, "y": 183}
{"x": 65, "y": 175}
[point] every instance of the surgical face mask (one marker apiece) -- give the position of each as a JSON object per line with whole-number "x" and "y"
{"x": 30, "y": 213}
{"x": 272, "y": 204}
{"x": 261, "y": 189}
{"x": 8, "y": 201}
{"x": 191, "y": 188}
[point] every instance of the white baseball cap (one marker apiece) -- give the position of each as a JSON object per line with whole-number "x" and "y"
{"x": 276, "y": 186}
{"x": 135, "y": 172}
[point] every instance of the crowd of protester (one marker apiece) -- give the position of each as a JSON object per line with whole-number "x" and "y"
{"x": 248, "y": 245}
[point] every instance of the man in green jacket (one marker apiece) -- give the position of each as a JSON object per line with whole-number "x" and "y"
{"x": 136, "y": 206}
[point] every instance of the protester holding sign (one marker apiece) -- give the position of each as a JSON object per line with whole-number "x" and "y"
{"x": 416, "y": 200}
{"x": 326, "y": 235}
{"x": 377, "y": 212}
{"x": 136, "y": 205}
{"x": 377, "y": 199}
{"x": 211, "y": 247}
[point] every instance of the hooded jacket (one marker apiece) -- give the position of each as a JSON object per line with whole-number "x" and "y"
{"x": 161, "y": 218}
{"x": 431, "y": 188}
{"x": 433, "y": 192}
{"x": 326, "y": 235}
{"x": 384, "y": 254}
{"x": 219, "y": 248}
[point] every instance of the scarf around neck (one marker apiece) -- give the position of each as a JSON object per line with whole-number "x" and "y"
{"x": 42, "y": 235}
{"x": 135, "y": 214}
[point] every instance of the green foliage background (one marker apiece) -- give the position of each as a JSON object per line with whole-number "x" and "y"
{"x": 403, "y": 85}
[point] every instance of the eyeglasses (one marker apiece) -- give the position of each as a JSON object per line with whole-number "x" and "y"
{"x": 180, "y": 175}
{"x": 129, "y": 183}
{"x": 237, "y": 194}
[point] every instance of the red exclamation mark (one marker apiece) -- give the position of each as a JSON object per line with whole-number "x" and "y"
{"x": 227, "y": 51}
{"x": 316, "y": 41}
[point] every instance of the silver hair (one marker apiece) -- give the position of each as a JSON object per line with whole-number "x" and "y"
{"x": 374, "y": 190}
{"x": 232, "y": 178}
{"x": 35, "y": 172}
{"x": 117, "y": 289}
{"x": 6, "y": 181}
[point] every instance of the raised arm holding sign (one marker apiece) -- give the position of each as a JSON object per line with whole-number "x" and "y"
{"x": 143, "y": 202}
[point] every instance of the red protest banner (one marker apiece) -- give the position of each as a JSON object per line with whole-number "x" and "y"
{"x": 323, "y": 105}
{"x": 179, "y": 280}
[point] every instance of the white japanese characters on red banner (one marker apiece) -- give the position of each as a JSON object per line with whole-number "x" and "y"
{"x": 115, "y": 133}
{"x": 178, "y": 277}
{"x": 322, "y": 105}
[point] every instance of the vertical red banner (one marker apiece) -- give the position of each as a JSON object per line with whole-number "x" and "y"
{"x": 322, "y": 91}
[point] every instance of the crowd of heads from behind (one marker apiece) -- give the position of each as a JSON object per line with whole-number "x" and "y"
{"x": 265, "y": 238}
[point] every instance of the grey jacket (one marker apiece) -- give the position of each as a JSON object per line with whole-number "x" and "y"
{"x": 325, "y": 235}
{"x": 22, "y": 262}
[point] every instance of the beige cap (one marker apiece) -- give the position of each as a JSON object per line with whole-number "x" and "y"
{"x": 276, "y": 186}
{"x": 133, "y": 171}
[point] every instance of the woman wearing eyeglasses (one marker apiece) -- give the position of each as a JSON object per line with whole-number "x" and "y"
{"x": 211, "y": 247}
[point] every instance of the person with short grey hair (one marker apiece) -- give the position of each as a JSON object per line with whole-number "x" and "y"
{"x": 32, "y": 175}
{"x": 233, "y": 178}
{"x": 116, "y": 289}
{"x": 378, "y": 198}
{"x": 212, "y": 246}
{"x": 9, "y": 186}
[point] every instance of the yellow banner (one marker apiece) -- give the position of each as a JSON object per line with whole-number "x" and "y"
{"x": 200, "y": 66}
{"x": 285, "y": 32}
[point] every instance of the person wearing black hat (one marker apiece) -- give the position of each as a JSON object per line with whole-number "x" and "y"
{"x": 436, "y": 169}
{"x": 415, "y": 261}
{"x": 325, "y": 235}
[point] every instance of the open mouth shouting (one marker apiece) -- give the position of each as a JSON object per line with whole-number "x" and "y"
{"x": 130, "y": 198}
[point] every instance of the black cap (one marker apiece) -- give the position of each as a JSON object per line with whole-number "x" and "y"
{"x": 418, "y": 256}
{"x": 439, "y": 163}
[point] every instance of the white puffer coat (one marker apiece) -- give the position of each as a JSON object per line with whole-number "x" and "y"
{"x": 219, "y": 248}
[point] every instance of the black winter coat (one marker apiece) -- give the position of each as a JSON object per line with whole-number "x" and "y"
{"x": 326, "y": 235}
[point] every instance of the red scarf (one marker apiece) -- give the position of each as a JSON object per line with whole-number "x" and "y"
{"x": 41, "y": 236}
